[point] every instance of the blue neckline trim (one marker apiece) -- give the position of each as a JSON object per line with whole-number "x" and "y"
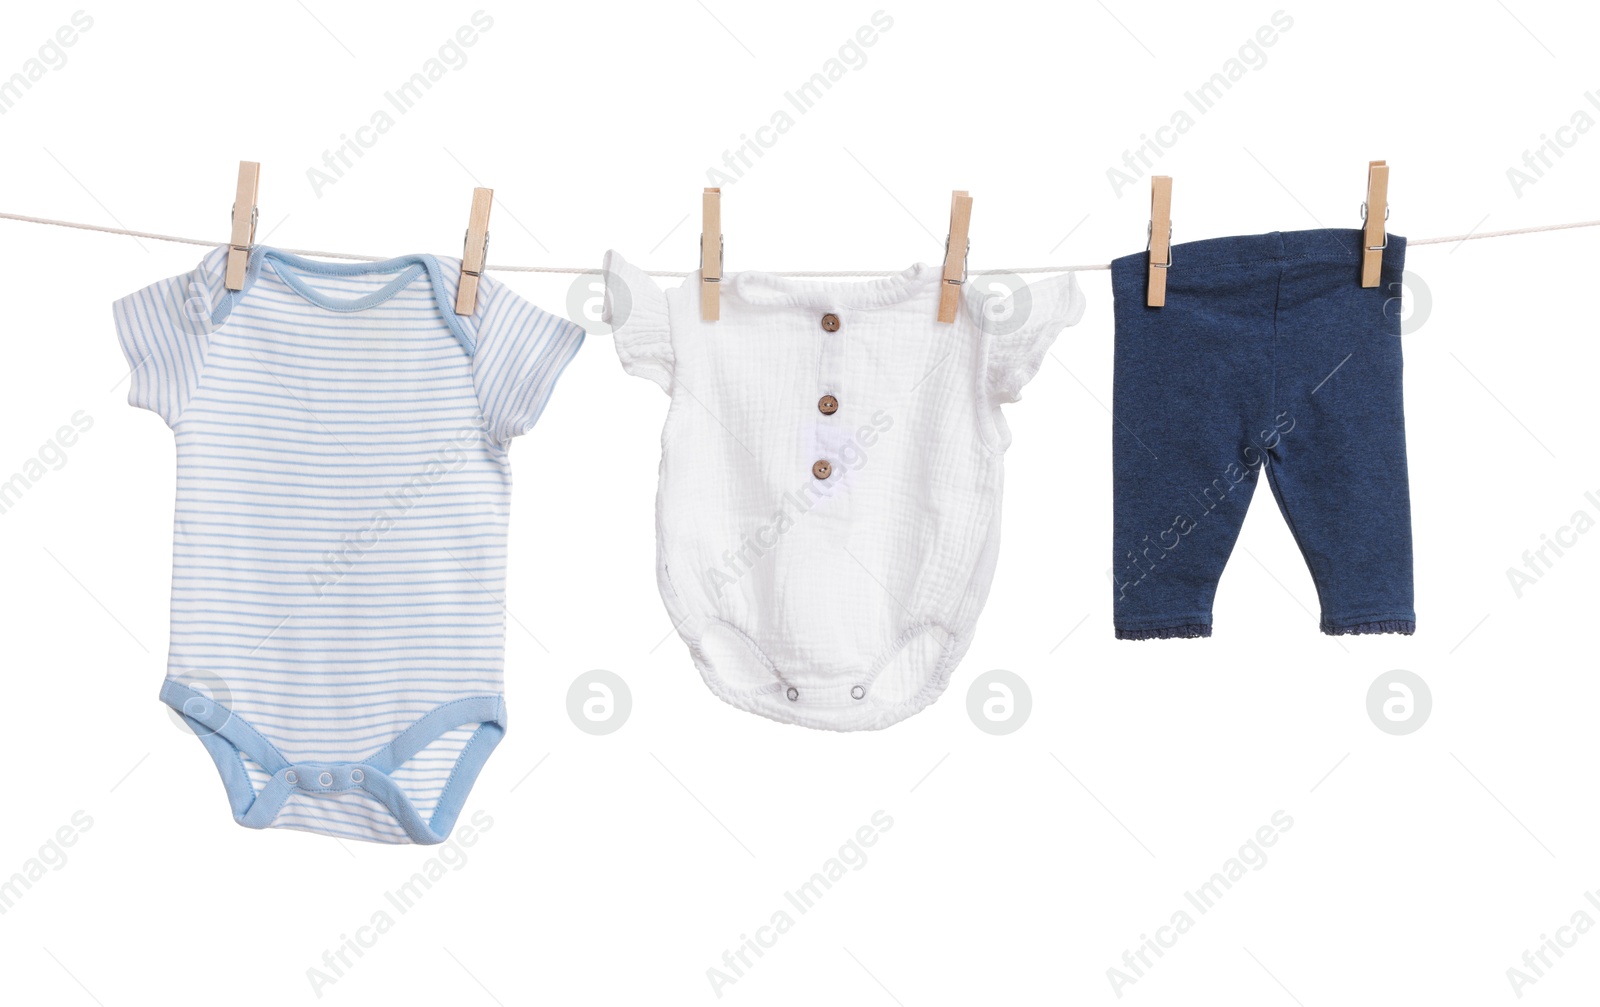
{"x": 409, "y": 267}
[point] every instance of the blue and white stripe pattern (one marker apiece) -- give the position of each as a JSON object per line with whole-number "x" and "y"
{"x": 339, "y": 548}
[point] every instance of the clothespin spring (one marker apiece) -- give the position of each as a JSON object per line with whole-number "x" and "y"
{"x": 466, "y": 236}
{"x": 965, "y": 256}
{"x": 1376, "y": 248}
{"x": 722, "y": 249}
{"x": 255, "y": 217}
{"x": 1149, "y": 242}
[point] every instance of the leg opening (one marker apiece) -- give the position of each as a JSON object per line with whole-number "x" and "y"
{"x": 1405, "y": 627}
{"x": 410, "y": 791}
{"x": 1190, "y": 631}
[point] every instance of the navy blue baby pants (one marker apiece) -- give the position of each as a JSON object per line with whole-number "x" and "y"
{"x": 1269, "y": 360}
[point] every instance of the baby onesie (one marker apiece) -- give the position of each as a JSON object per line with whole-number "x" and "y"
{"x": 339, "y": 543}
{"x": 828, "y": 515}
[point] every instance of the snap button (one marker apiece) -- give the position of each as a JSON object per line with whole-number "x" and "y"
{"x": 822, "y": 470}
{"x": 830, "y": 322}
{"x": 356, "y": 776}
{"x": 326, "y": 779}
{"x": 857, "y": 692}
{"x": 291, "y": 777}
{"x": 828, "y": 405}
{"x": 793, "y": 693}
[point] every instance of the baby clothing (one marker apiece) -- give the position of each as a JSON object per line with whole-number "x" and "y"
{"x": 339, "y": 548}
{"x": 1269, "y": 357}
{"x": 828, "y": 515}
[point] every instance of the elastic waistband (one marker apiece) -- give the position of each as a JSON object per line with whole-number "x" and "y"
{"x": 1333, "y": 245}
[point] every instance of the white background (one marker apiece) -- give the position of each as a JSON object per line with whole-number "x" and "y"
{"x": 1018, "y": 868}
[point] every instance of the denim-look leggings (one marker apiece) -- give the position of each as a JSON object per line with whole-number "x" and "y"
{"x": 1269, "y": 358}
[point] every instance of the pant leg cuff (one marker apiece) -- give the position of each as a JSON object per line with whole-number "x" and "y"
{"x": 1405, "y": 627}
{"x": 1190, "y": 631}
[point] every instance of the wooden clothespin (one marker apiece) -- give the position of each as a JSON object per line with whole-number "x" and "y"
{"x": 711, "y": 254}
{"x": 956, "y": 246}
{"x": 1374, "y": 231}
{"x": 244, "y": 224}
{"x": 1160, "y": 239}
{"x": 474, "y": 251}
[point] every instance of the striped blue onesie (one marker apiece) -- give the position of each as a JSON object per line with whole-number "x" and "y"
{"x": 339, "y": 544}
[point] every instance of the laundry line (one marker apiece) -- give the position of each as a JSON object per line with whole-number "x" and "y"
{"x": 595, "y": 271}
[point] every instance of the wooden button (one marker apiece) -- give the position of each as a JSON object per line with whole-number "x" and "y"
{"x": 822, "y": 470}
{"x": 830, "y": 322}
{"x": 828, "y": 405}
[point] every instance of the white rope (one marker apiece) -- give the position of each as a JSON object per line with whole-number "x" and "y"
{"x": 574, "y": 271}
{"x": 1474, "y": 236}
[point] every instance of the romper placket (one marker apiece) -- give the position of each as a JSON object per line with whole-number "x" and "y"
{"x": 830, "y": 416}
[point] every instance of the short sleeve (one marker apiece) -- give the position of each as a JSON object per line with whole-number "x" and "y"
{"x": 520, "y": 352}
{"x": 636, "y": 310}
{"x": 164, "y": 330}
{"x": 1019, "y": 329}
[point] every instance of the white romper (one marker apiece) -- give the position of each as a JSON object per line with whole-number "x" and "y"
{"x": 828, "y": 515}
